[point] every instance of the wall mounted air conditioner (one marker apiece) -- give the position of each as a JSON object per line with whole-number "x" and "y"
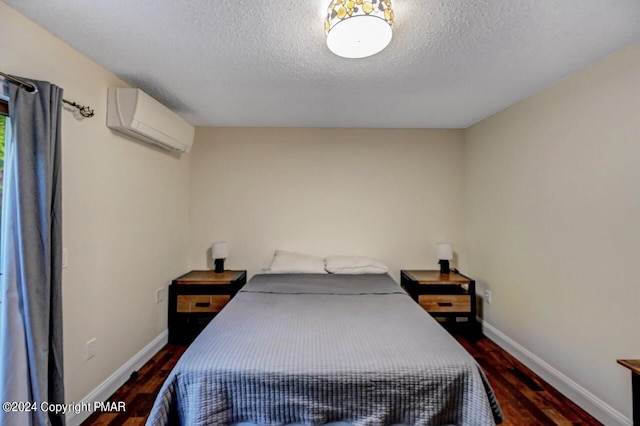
{"x": 136, "y": 114}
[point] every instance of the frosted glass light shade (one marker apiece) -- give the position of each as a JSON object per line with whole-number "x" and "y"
{"x": 219, "y": 250}
{"x": 358, "y": 28}
{"x": 445, "y": 251}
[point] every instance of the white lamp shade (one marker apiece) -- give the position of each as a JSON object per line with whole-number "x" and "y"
{"x": 445, "y": 251}
{"x": 219, "y": 250}
{"x": 359, "y": 37}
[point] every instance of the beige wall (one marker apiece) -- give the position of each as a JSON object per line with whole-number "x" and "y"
{"x": 553, "y": 223}
{"x": 390, "y": 194}
{"x": 124, "y": 213}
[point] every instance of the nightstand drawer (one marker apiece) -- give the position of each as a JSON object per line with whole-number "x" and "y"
{"x": 201, "y": 303}
{"x": 445, "y": 303}
{"x": 196, "y": 297}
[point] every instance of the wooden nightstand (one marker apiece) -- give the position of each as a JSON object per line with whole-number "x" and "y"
{"x": 634, "y": 366}
{"x": 196, "y": 297}
{"x": 444, "y": 295}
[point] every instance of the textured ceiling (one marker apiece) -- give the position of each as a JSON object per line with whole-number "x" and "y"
{"x": 450, "y": 64}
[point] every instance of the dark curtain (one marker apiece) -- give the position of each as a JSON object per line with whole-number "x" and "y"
{"x": 31, "y": 242}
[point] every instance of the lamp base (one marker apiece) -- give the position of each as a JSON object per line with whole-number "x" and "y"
{"x": 219, "y": 266}
{"x": 444, "y": 266}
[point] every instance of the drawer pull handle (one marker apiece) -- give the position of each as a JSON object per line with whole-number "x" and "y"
{"x": 203, "y": 304}
{"x": 445, "y": 304}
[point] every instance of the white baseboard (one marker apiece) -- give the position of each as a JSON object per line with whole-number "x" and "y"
{"x": 118, "y": 378}
{"x": 572, "y": 390}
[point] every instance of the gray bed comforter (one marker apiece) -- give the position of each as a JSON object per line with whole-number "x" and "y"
{"x": 313, "y": 349}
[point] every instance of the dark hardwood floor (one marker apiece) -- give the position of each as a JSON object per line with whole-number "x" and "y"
{"x": 139, "y": 392}
{"x": 524, "y": 397}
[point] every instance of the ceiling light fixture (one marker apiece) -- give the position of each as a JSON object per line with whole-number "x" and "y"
{"x": 358, "y": 28}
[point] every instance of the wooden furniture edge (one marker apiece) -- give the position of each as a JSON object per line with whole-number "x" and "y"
{"x": 212, "y": 278}
{"x": 414, "y": 275}
{"x": 631, "y": 364}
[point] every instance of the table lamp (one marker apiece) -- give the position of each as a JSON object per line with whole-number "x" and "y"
{"x": 219, "y": 252}
{"x": 445, "y": 254}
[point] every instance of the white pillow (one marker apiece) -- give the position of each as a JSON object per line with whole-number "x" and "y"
{"x": 354, "y": 265}
{"x": 285, "y": 262}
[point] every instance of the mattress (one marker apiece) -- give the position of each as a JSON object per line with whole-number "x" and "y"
{"x": 316, "y": 349}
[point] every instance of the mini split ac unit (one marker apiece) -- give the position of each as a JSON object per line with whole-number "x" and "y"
{"x": 136, "y": 114}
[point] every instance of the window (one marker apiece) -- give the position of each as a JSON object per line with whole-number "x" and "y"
{"x": 4, "y": 122}
{"x": 3, "y": 126}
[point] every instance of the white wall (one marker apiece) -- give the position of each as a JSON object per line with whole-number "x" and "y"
{"x": 390, "y": 194}
{"x": 124, "y": 213}
{"x": 553, "y": 223}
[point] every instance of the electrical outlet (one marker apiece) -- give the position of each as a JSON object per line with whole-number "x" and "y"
{"x": 160, "y": 295}
{"x": 91, "y": 348}
{"x": 487, "y": 296}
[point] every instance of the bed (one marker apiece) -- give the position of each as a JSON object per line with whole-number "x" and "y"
{"x": 314, "y": 349}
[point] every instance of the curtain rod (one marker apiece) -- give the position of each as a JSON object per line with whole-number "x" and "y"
{"x": 85, "y": 111}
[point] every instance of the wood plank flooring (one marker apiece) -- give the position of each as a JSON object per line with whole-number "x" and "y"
{"x": 524, "y": 397}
